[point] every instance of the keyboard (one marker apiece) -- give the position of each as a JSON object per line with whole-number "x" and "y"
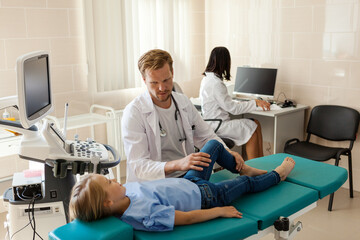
{"x": 241, "y": 99}
{"x": 273, "y": 107}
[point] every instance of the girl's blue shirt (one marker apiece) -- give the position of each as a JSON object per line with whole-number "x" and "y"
{"x": 153, "y": 204}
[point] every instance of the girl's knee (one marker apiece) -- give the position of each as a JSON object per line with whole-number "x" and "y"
{"x": 214, "y": 142}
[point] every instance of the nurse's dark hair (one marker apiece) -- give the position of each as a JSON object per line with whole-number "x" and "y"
{"x": 87, "y": 200}
{"x": 219, "y": 63}
{"x": 153, "y": 60}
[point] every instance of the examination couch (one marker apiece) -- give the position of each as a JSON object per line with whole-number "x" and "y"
{"x": 306, "y": 184}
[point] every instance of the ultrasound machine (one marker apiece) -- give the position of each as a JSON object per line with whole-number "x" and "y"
{"x": 38, "y": 203}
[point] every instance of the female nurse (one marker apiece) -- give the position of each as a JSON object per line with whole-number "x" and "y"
{"x": 216, "y": 103}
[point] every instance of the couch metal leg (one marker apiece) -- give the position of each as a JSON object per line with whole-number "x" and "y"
{"x": 350, "y": 176}
{"x": 331, "y": 202}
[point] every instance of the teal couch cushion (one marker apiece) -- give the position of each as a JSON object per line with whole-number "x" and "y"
{"x": 220, "y": 228}
{"x": 308, "y": 181}
{"x": 320, "y": 176}
{"x": 283, "y": 199}
{"x": 104, "y": 229}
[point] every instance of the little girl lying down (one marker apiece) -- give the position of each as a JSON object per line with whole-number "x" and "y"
{"x": 160, "y": 204}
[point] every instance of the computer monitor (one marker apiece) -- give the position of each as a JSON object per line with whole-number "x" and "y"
{"x": 255, "y": 82}
{"x": 33, "y": 87}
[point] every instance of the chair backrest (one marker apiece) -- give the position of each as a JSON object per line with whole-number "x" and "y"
{"x": 331, "y": 122}
{"x": 229, "y": 143}
{"x": 177, "y": 88}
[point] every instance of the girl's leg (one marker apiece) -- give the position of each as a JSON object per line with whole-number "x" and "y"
{"x": 228, "y": 191}
{"x": 217, "y": 154}
{"x": 223, "y": 193}
{"x": 233, "y": 189}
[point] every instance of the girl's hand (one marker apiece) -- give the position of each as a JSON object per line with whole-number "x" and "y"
{"x": 230, "y": 212}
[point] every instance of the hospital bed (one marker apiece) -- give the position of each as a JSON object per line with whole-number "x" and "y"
{"x": 262, "y": 212}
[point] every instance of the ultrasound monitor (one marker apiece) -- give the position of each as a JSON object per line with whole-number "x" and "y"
{"x": 255, "y": 82}
{"x": 33, "y": 87}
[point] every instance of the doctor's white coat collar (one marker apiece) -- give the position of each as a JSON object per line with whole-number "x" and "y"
{"x": 148, "y": 109}
{"x": 148, "y": 105}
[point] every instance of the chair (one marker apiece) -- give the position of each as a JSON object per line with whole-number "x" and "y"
{"x": 177, "y": 88}
{"x": 229, "y": 143}
{"x": 335, "y": 123}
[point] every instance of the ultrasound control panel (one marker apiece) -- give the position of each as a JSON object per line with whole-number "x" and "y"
{"x": 79, "y": 150}
{"x": 88, "y": 149}
{"x": 78, "y": 156}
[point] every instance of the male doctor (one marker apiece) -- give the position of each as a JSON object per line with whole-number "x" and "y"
{"x": 160, "y": 127}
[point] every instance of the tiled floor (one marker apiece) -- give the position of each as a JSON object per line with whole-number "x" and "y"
{"x": 319, "y": 224}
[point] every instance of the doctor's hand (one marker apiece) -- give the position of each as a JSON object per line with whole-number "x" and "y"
{"x": 192, "y": 161}
{"x": 263, "y": 104}
{"x": 238, "y": 159}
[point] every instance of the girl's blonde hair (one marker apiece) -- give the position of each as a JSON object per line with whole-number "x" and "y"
{"x": 87, "y": 200}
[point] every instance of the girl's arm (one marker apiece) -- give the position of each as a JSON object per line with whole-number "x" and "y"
{"x": 196, "y": 216}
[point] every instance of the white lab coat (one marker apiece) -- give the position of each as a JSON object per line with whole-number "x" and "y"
{"x": 216, "y": 103}
{"x": 141, "y": 136}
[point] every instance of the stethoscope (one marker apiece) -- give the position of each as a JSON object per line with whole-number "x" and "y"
{"x": 163, "y": 132}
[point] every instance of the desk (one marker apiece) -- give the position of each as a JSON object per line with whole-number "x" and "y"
{"x": 277, "y": 126}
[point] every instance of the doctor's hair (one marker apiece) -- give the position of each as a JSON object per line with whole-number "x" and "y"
{"x": 87, "y": 200}
{"x": 219, "y": 63}
{"x": 153, "y": 60}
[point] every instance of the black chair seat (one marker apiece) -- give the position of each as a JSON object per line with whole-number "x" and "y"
{"x": 312, "y": 151}
{"x": 229, "y": 143}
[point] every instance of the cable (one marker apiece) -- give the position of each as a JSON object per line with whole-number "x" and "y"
{"x": 22, "y": 227}
{"x": 24, "y": 198}
{"x": 32, "y": 219}
{"x": 19, "y": 230}
{"x": 281, "y": 93}
{"x": 36, "y": 197}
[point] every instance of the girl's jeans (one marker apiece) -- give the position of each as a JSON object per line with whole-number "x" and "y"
{"x": 223, "y": 193}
